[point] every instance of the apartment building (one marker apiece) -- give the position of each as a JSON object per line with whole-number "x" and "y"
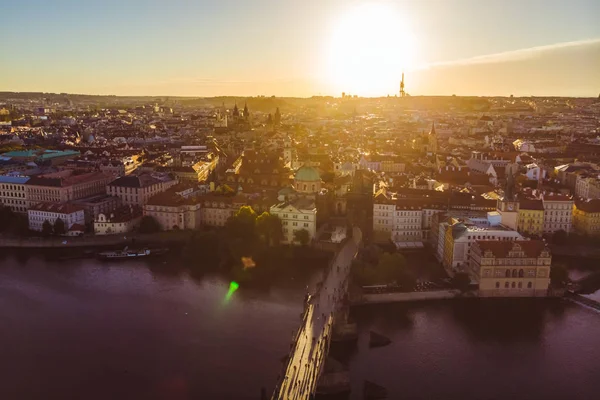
{"x": 64, "y": 186}
{"x": 137, "y": 189}
{"x": 12, "y": 193}
{"x": 586, "y": 216}
{"x": 558, "y": 212}
{"x": 175, "y": 209}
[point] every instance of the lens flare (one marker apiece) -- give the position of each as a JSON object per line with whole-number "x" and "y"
{"x": 233, "y": 286}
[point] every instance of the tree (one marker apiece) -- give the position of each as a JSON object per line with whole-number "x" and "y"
{"x": 302, "y": 236}
{"x": 269, "y": 227}
{"x": 7, "y": 216}
{"x": 59, "y": 227}
{"x": 47, "y": 228}
{"x": 559, "y": 276}
{"x": 242, "y": 224}
{"x": 461, "y": 281}
{"x": 149, "y": 224}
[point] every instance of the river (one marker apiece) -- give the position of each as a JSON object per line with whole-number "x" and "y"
{"x": 92, "y": 330}
{"x": 477, "y": 349}
{"x": 96, "y": 330}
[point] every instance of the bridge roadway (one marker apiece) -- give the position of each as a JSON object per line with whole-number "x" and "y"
{"x": 311, "y": 344}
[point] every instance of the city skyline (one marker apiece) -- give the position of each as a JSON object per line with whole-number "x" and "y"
{"x": 300, "y": 49}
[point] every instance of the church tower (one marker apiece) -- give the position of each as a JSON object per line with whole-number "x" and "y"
{"x": 433, "y": 140}
{"x": 246, "y": 112}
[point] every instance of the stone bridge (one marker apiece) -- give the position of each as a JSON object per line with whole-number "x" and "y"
{"x": 324, "y": 316}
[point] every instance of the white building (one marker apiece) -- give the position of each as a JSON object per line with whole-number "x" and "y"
{"x": 295, "y": 216}
{"x": 121, "y": 220}
{"x": 558, "y": 212}
{"x": 587, "y": 187}
{"x": 460, "y": 236}
{"x": 12, "y": 193}
{"x": 136, "y": 190}
{"x": 70, "y": 214}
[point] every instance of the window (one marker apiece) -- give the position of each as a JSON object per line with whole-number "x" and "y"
{"x": 497, "y": 285}
{"x": 529, "y": 285}
{"x": 521, "y": 274}
{"x": 512, "y": 285}
{"x": 514, "y": 273}
{"x": 520, "y": 285}
{"x": 507, "y": 274}
{"x": 506, "y": 285}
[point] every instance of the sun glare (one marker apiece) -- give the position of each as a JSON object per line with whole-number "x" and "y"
{"x": 370, "y": 47}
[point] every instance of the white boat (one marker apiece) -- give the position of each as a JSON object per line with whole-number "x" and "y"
{"x": 124, "y": 254}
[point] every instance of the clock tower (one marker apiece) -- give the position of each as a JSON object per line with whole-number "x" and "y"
{"x": 508, "y": 204}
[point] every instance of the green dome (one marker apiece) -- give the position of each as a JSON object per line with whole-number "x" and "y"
{"x": 307, "y": 174}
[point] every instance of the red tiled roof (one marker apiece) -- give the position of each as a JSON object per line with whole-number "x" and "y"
{"x": 501, "y": 248}
{"x": 61, "y": 208}
{"x": 589, "y": 206}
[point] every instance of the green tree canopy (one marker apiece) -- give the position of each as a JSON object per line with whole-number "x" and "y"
{"x": 47, "y": 228}
{"x": 559, "y": 275}
{"x": 242, "y": 224}
{"x": 59, "y": 227}
{"x": 269, "y": 227}
{"x": 149, "y": 224}
{"x": 302, "y": 236}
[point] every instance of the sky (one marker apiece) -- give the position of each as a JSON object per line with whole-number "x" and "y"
{"x": 301, "y": 47}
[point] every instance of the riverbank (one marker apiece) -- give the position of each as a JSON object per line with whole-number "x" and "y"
{"x": 34, "y": 242}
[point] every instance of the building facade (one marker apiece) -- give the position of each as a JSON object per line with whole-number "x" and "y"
{"x": 294, "y": 216}
{"x": 530, "y": 219}
{"x": 40, "y": 212}
{"x": 64, "y": 186}
{"x": 13, "y": 194}
{"x": 519, "y": 268}
{"x": 587, "y": 187}
{"x": 175, "y": 209}
{"x": 136, "y": 190}
{"x": 586, "y": 216}
{"x": 558, "y": 212}
{"x": 460, "y": 236}
{"x": 121, "y": 220}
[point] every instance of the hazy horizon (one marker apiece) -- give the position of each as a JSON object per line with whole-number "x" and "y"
{"x": 302, "y": 48}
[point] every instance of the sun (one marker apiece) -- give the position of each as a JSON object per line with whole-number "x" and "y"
{"x": 369, "y": 48}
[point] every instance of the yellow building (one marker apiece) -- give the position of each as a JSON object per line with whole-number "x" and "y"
{"x": 586, "y": 216}
{"x": 530, "y": 218}
{"x": 519, "y": 268}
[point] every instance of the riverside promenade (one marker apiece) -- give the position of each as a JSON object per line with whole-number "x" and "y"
{"x": 310, "y": 347}
{"x": 93, "y": 241}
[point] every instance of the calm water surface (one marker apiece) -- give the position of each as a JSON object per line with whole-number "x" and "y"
{"x": 91, "y": 330}
{"x": 480, "y": 350}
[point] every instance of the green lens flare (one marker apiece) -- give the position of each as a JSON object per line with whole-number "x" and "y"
{"x": 233, "y": 286}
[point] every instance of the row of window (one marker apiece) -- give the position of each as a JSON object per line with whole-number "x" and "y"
{"x": 9, "y": 194}
{"x": 6, "y": 186}
{"x": 514, "y": 285}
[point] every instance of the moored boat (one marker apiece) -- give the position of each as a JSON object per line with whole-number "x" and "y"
{"x": 124, "y": 254}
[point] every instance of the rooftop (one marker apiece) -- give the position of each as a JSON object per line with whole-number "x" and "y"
{"x": 502, "y": 248}
{"x": 61, "y": 208}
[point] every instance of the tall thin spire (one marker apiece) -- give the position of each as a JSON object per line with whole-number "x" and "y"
{"x": 402, "y": 92}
